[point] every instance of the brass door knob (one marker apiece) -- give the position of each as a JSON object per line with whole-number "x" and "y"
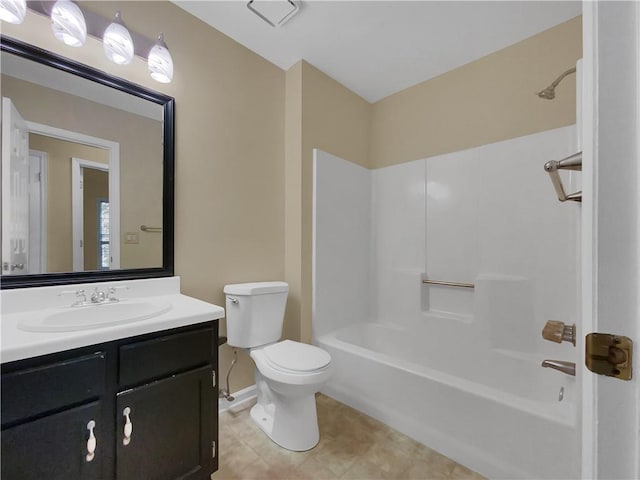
{"x": 557, "y": 331}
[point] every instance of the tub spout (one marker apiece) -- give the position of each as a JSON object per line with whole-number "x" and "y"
{"x": 568, "y": 368}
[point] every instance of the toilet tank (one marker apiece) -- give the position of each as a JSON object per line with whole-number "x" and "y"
{"x": 255, "y": 313}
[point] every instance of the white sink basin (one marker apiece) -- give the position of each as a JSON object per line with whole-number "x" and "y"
{"x": 93, "y": 316}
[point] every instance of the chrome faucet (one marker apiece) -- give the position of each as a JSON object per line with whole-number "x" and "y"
{"x": 568, "y": 368}
{"x": 98, "y": 296}
{"x": 109, "y": 297}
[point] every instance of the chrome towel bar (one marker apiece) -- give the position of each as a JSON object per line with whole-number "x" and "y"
{"x": 449, "y": 284}
{"x": 572, "y": 162}
{"x": 144, "y": 228}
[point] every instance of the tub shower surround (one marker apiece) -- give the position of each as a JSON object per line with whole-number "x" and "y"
{"x": 458, "y": 369}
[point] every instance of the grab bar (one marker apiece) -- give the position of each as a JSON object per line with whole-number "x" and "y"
{"x": 144, "y": 228}
{"x": 572, "y": 162}
{"x": 449, "y": 284}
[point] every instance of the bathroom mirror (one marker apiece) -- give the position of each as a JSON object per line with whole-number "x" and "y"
{"x": 87, "y": 173}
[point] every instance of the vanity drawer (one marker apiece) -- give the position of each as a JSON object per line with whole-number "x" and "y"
{"x": 159, "y": 357}
{"x": 38, "y": 390}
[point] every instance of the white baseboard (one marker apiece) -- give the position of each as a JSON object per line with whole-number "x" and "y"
{"x": 241, "y": 398}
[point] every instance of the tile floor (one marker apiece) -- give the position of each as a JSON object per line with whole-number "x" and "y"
{"x": 352, "y": 446}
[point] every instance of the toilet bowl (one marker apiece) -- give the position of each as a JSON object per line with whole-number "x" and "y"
{"x": 286, "y": 406}
{"x": 288, "y": 373}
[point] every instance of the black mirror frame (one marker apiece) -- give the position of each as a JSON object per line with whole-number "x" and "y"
{"x": 44, "y": 57}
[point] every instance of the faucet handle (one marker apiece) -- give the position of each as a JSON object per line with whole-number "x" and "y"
{"x": 557, "y": 331}
{"x": 69, "y": 292}
{"x": 80, "y": 295}
{"x": 111, "y": 292}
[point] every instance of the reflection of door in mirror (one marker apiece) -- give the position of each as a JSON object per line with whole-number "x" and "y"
{"x": 15, "y": 191}
{"x": 37, "y": 211}
{"x": 65, "y": 234}
{"x": 40, "y": 190}
{"x": 90, "y": 212}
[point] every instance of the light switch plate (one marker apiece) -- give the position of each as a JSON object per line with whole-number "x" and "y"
{"x": 131, "y": 237}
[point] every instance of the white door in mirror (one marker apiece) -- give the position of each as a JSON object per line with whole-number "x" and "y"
{"x": 15, "y": 191}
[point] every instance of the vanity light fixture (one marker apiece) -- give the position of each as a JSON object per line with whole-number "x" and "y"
{"x": 13, "y": 11}
{"x": 68, "y": 24}
{"x": 71, "y": 26}
{"x": 118, "y": 45}
{"x": 160, "y": 62}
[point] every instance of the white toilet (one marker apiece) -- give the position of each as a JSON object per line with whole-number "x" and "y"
{"x": 288, "y": 374}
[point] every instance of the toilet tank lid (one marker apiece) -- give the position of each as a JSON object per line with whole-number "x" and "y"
{"x": 256, "y": 288}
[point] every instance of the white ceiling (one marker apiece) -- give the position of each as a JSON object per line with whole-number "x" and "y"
{"x": 376, "y": 48}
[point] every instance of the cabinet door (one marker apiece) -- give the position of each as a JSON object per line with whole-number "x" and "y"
{"x": 54, "y": 447}
{"x": 172, "y": 428}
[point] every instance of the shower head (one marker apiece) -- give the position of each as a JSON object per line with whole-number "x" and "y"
{"x": 549, "y": 93}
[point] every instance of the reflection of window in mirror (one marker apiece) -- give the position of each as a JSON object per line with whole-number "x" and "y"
{"x": 103, "y": 234}
{"x": 95, "y": 191}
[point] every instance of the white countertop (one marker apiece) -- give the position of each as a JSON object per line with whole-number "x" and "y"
{"x": 16, "y": 344}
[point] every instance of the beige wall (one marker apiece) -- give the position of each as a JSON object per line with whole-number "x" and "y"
{"x": 321, "y": 113}
{"x": 485, "y": 101}
{"x": 140, "y": 157}
{"x": 229, "y": 222}
{"x": 243, "y": 184}
{"x": 293, "y": 200}
{"x": 59, "y": 220}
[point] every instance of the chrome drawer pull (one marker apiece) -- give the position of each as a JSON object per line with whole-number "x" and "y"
{"x": 91, "y": 442}
{"x": 128, "y": 426}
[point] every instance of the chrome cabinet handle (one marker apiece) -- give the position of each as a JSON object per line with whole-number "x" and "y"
{"x": 91, "y": 442}
{"x": 128, "y": 426}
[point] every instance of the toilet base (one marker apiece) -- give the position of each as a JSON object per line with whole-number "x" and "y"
{"x": 292, "y": 423}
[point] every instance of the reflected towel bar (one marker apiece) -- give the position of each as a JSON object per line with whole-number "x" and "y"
{"x": 144, "y": 228}
{"x": 572, "y": 162}
{"x": 449, "y": 284}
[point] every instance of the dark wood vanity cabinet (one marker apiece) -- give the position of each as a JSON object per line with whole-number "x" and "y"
{"x": 150, "y": 403}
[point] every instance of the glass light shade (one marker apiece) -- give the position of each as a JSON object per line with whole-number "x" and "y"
{"x": 118, "y": 45}
{"x": 13, "y": 11}
{"x": 160, "y": 62}
{"x": 68, "y": 24}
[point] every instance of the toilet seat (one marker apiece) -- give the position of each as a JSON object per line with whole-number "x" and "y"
{"x": 296, "y": 357}
{"x": 292, "y": 362}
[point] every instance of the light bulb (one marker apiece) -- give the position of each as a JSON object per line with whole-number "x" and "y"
{"x": 160, "y": 62}
{"x": 68, "y": 24}
{"x": 118, "y": 45}
{"x": 13, "y": 11}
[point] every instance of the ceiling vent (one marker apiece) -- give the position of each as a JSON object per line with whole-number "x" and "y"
{"x": 274, "y": 12}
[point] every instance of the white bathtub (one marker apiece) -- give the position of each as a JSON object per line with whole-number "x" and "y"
{"x": 495, "y": 412}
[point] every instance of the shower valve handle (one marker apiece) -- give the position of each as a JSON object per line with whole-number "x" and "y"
{"x": 556, "y": 331}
